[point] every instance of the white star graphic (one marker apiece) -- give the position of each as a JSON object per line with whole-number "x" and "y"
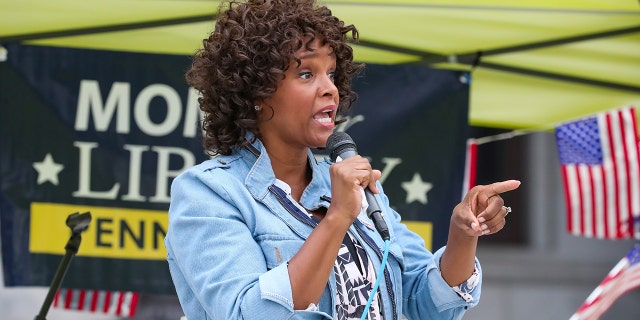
{"x": 416, "y": 189}
{"x": 48, "y": 170}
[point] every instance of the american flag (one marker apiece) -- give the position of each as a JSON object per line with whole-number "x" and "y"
{"x": 624, "y": 277}
{"x": 601, "y": 174}
{"x": 117, "y": 303}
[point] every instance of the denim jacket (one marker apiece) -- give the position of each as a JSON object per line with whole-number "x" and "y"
{"x": 231, "y": 235}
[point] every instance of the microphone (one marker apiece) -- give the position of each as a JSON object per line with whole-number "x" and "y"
{"x": 341, "y": 145}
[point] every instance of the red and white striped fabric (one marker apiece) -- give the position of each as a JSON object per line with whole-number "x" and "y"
{"x": 624, "y": 277}
{"x": 470, "y": 164}
{"x": 601, "y": 174}
{"x": 117, "y": 303}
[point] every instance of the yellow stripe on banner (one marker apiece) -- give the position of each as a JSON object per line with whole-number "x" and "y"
{"x": 119, "y": 233}
{"x": 424, "y": 229}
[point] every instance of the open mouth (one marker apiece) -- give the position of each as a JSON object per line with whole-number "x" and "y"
{"x": 324, "y": 117}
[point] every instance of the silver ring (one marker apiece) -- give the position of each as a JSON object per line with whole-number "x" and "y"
{"x": 507, "y": 209}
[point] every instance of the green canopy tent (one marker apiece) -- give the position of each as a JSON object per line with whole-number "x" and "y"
{"x": 534, "y": 63}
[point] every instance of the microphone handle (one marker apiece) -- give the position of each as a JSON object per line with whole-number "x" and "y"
{"x": 375, "y": 214}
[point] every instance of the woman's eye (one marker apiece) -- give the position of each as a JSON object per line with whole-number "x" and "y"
{"x": 332, "y": 76}
{"x": 305, "y": 75}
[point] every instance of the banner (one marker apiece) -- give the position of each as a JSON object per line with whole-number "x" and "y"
{"x": 106, "y": 132}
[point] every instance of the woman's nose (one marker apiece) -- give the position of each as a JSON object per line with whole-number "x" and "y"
{"x": 328, "y": 87}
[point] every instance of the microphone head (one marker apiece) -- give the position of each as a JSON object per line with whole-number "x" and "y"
{"x": 341, "y": 145}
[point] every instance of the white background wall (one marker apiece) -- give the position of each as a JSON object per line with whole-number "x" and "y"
{"x": 547, "y": 279}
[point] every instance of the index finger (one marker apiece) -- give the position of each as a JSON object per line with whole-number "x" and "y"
{"x": 503, "y": 186}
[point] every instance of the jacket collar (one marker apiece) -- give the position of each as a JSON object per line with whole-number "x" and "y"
{"x": 261, "y": 177}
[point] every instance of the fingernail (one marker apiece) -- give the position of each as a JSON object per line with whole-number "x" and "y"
{"x": 481, "y": 219}
{"x": 486, "y": 232}
{"x": 484, "y": 227}
{"x": 473, "y": 225}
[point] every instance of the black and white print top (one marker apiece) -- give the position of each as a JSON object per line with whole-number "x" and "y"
{"x": 355, "y": 277}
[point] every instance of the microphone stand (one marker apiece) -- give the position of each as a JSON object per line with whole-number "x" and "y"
{"x": 77, "y": 223}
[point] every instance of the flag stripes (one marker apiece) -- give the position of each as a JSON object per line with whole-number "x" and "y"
{"x": 118, "y": 303}
{"x": 470, "y": 166}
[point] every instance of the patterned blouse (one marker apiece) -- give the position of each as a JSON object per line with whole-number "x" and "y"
{"x": 355, "y": 277}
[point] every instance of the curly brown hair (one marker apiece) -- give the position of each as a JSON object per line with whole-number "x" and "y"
{"x": 246, "y": 56}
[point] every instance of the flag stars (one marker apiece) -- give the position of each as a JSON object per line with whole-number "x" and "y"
{"x": 48, "y": 170}
{"x": 416, "y": 189}
{"x": 579, "y": 142}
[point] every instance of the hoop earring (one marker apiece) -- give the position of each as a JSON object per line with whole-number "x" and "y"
{"x": 257, "y": 107}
